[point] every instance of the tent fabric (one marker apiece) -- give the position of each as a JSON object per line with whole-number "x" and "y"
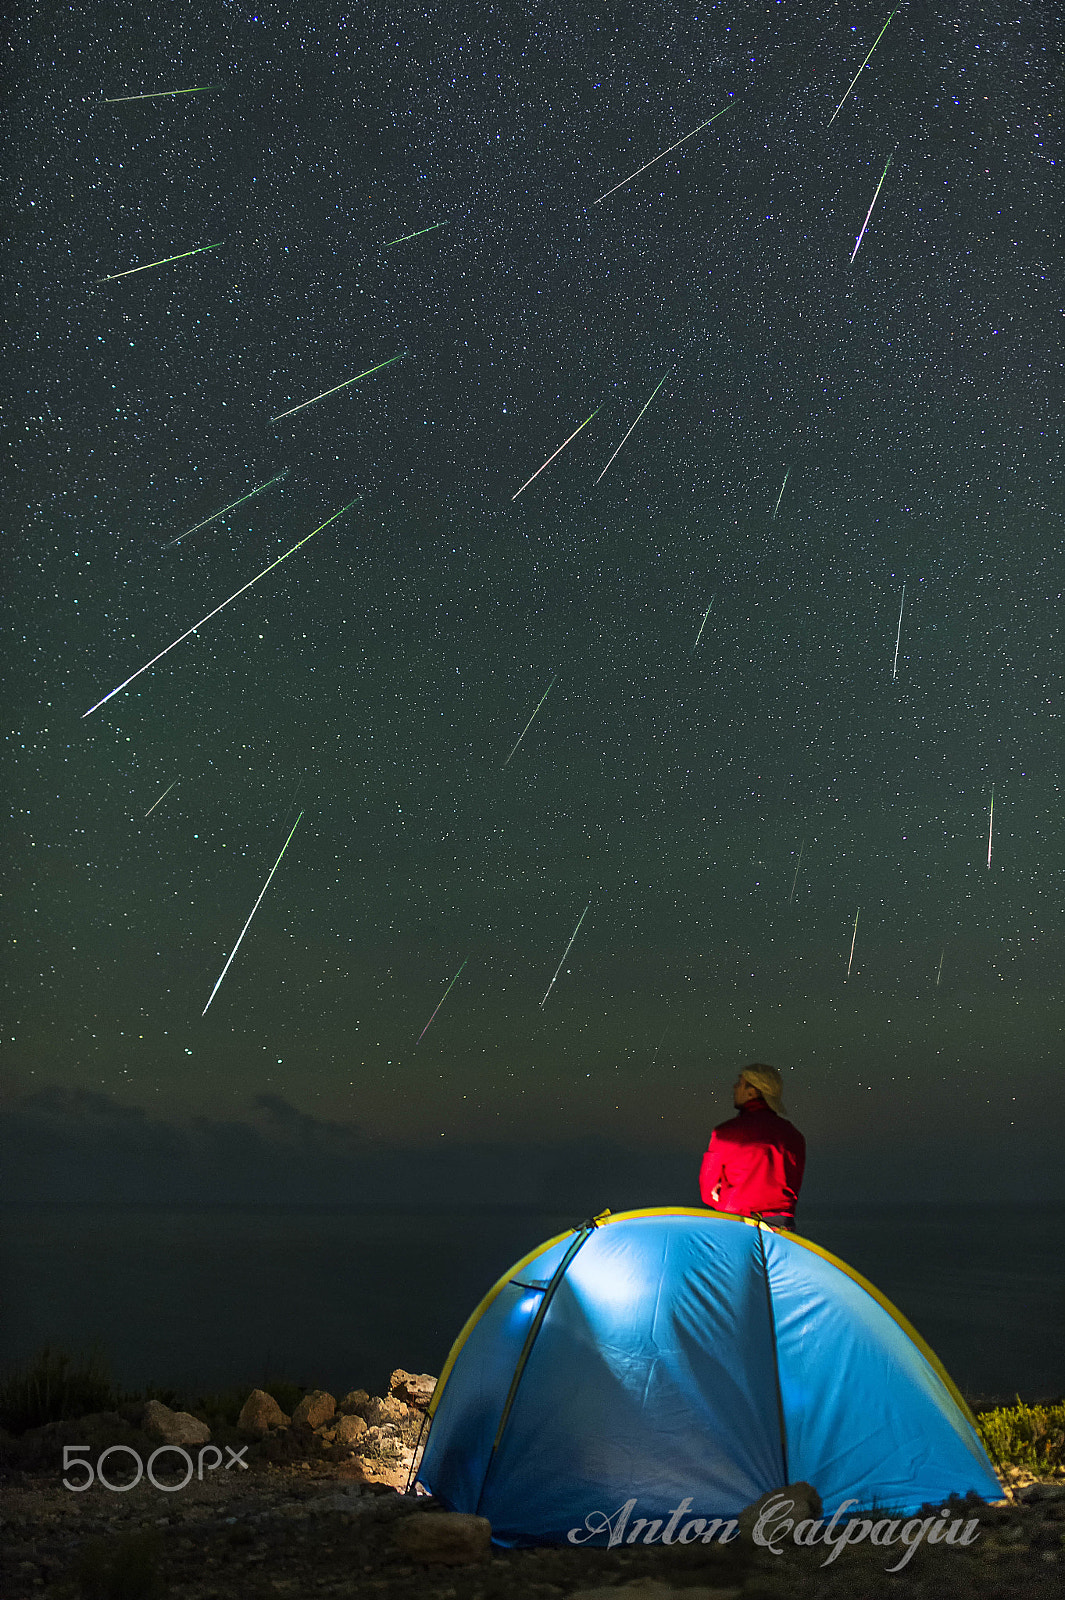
{"x": 685, "y": 1355}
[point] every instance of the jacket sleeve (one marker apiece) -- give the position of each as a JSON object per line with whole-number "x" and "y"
{"x": 712, "y": 1171}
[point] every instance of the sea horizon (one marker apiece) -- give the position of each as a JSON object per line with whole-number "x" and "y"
{"x": 207, "y": 1296}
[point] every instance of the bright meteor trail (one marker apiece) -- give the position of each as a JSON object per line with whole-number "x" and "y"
{"x": 990, "y": 824}
{"x": 558, "y": 452}
{"x": 326, "y": 392}
{"x": 662, "y": 154}
{"x": 405, "y": 236}
{"x": 898, "y": 636}
{"x": 126, "y": 683}
{"x": 230, "y": 507}
{"x": 861, "y": 69}
{"x": 702, "y": 625}
{"x": 532, "y": 719}
{"x": 655, "y": 391}
{"x": 780, "y": 496}
{"x": 853, "y": 937}
{"x": 111, "y": 276}
{"x": 443, "y": 997}
{"x": 247, "y": 925}
{"x": 162, "y": 797}
{"x": 159, "y": 94}
{"x": 565, "y": 953}
{"x": 869, "y": 213}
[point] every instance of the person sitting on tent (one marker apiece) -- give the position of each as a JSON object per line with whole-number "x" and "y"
{"x": 755, "y": 1162}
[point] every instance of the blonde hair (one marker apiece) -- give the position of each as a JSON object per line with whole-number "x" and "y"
{"x": 769, "y": 1084}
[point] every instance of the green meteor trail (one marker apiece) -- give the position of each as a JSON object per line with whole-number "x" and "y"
{"x": 532, "y": 719}
{"x": 405, "y": 236}
{"x": 230, "y": 507}
{"x": 305, "y": 540}
{"x": 159, "y": 94}
{"x": 111, "y": 276}
{"x": 254, "y": 909}
{"x": 336, "y": 387}
{"x": 872, "y": 203}
{"x": 702, "y": 625}
{"x": 861, "y": 69}
{"x": 443, "y": 997}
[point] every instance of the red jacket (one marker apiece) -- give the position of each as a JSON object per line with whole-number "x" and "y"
{"x": 755, "y": 1163}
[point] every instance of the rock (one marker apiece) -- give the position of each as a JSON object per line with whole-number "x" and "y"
{"x": 388, "y": 1409}
{"x": 259, "y": 1413}
{"x": 1038, "y": 1492}
{"x": 314, "y": 1410}
{"x": 444, "y": 1538}
{"x": 173, "y": 1427}
{"x": 805, "y": 1503}
{"x": 414, "y": 1389}
{"x": 353, "y": 1402}
{"x": 350, "y": 1429}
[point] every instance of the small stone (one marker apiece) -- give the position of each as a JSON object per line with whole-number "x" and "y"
{"x": 353, "y": 1402}
{"x": 259, "y": 1413}
{"x": 350, "y": 1429}
{"x": 388, "y": 1409}
{"x": 414, "y": 1389}
{"x": 173, "y": 1427}
{"x": 313, "y": 1410}
{"x": 805, "y": 1504}
{"x": 444, "y": 1538}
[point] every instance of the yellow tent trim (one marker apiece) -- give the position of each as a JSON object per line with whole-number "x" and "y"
{"x": 606, "y": 1217}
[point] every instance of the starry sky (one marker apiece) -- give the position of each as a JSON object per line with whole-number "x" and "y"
{"x": 778, "y": 828}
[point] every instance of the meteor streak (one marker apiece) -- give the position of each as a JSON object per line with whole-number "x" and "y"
{"x": 404, "y": 236}
{"x": 162, "y": 797}
{"x": 780, "y": 496}
{"x": 159, "y": 94}
{"x": 861, "y": 69}
{"x": 663, "y": 153}
{"x": 990, "y": 824}
{"x": 529, "y": 724}
{"x": 443, "y": 997}
{"x": 648, "y": 402}
{"x": 247, "y": 925}
{"x": 898, "y": 636}
{"x": 558, "y": 452}
{"x": 338, "y": 386}
{"x": 853, "y": 937}
{"x": 230, "y": 507}
{"x": 702, "y": 625}
{"x": 565, "y": 953}
{"x": 795, "y": 880}
{"x": 939, "y": 973}
{"x": 869, "y": 213}
{"x": 126, "y": 682}
{"x": 111, "y": 276}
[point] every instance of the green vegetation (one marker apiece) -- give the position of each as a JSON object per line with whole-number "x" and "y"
{"x": 55, "y": 1387}
{"x": 1029, "y": 1437}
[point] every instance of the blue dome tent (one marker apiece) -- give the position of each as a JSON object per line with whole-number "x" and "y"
{"x": 678, "y": 1356}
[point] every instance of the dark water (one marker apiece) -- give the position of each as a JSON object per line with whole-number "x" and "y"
{"x": 337, "y": 1298}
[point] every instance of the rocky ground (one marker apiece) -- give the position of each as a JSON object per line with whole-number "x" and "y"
{"x": 315, "y": 1506}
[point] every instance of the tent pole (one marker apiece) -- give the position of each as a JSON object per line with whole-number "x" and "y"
{"x": 776, "y": 1362}
{"x": 586, "y": 1231}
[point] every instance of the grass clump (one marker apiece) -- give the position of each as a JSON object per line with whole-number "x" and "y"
{"x": 1029, "y": 1437}
{"x": 55, "y": 1387}
{"x": 126, "y": 1568}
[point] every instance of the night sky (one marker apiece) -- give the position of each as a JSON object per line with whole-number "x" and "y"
{"x": 374, "y": 683}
